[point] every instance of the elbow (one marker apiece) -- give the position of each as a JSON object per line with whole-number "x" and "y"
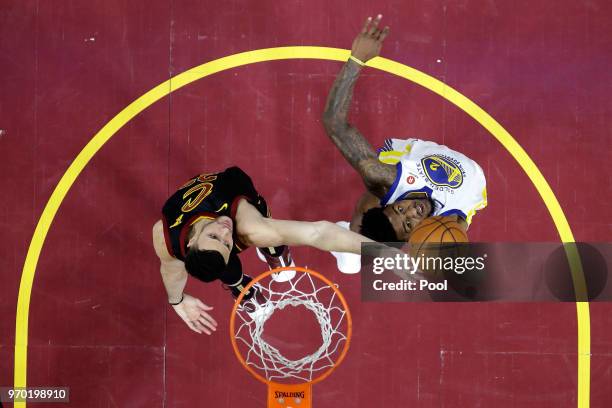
{"x": 321, "y": 231}
{"x": 332, "y": 121}
{"x": 328, "y": 114}
{"x": 334, "y": 125}
{"x": 328, "y": 120}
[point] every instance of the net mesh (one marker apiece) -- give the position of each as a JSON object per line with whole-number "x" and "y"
{"x": 303, "y": 290}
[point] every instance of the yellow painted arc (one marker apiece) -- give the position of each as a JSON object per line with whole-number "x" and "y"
{"x": 280, "y": 53}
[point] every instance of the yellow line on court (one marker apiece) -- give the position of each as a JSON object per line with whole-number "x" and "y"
{"x": 281, "y": 53}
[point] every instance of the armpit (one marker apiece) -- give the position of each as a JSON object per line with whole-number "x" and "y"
{"x": 378, "y": 177}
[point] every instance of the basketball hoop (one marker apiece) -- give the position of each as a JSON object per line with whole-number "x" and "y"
{"x": 290, "y": 380}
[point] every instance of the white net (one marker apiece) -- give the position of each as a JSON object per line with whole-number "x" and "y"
{"x": 303, "y": 290}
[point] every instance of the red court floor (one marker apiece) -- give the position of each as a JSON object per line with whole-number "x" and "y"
{"x": 98, "y": 319}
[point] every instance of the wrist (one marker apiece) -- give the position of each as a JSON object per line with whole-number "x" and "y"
{"x": 177, "y": 302}
{"x": 356, "y": 61}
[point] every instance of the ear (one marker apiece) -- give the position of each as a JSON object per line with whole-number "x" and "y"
{"x": 193, "y": 240}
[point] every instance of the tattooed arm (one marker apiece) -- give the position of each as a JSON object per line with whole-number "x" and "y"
{"x": 378, "y": 177}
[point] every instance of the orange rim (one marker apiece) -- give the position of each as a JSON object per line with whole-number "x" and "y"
{"x": 320, "y": 277}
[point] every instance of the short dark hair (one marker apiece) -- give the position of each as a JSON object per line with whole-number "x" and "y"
{"x": 376, "y": 226}
{"x": 208, "y": 265}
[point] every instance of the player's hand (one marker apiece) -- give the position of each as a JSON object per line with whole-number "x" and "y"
{"x": 369, "y": 41}
{"x": 195, "y": 314}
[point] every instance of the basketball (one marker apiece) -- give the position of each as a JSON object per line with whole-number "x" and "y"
{"x": 438, "y": 230}
{"x": 435, "y": 237}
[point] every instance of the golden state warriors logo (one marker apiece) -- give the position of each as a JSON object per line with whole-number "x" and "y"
{"x": 442, "y": 172}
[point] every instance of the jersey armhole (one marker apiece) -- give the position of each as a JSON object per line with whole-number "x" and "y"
{"x": 453, "y": 212}
{"x": 234, "y": 206}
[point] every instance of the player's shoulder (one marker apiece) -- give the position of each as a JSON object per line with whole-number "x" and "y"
{"x": 235, "y": 171}
{"x": 158, "y": 228}
{"x": 159, "y": 242}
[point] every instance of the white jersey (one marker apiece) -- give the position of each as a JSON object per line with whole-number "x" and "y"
{"x": 452, "y": 181}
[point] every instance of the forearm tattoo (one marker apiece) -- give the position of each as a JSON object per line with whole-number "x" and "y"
{"x": 354, "y": 147}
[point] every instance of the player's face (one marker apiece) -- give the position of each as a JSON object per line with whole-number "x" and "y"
{"x": 405, "y": 215}
{"x": 217, "y": 236}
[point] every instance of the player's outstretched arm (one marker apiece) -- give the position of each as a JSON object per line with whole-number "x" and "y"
{"x": 322, "y": 235}
{"x": 190, "y": 309}
{"x": 172, "y": 270}
{"x": 256, "y": 230}
{"x": 377, "y": 176}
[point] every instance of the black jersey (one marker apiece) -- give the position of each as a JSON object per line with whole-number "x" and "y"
{"x": 208, "y": 195}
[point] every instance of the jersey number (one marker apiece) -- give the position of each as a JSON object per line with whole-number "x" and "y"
{"x": 201, "y": 190}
